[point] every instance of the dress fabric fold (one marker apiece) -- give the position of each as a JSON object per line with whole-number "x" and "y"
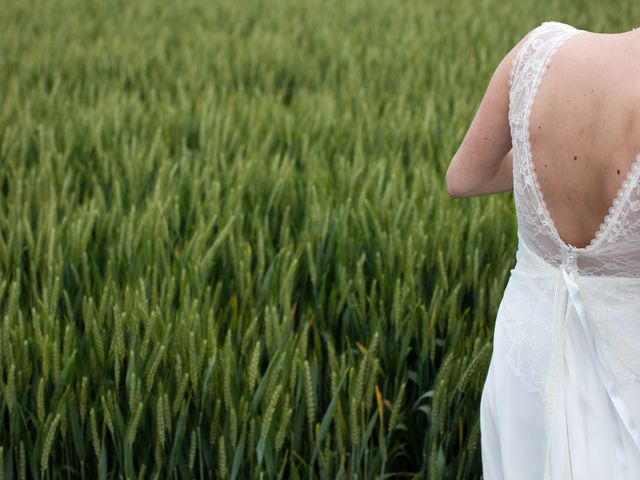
{"x": 581, "y": 423}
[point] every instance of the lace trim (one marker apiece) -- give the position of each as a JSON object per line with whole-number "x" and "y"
{"x": 527, "y": 114}
{"x": 623, "y": 193}
{"x": 516, "y": 66}
{"x": 518, "y": 60}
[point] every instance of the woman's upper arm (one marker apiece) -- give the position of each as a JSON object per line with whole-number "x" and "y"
{"x": 488, "y": 139}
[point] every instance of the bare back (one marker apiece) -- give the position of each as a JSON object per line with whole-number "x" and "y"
{"x": 584, "y": 129}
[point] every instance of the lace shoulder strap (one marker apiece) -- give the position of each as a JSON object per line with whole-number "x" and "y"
{"x": 528, "y": 66}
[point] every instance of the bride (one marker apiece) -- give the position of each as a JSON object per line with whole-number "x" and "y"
{"x": 559, "y": 125}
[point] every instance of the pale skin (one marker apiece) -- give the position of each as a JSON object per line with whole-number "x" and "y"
{"x": 483, "y": 163}
{"x": 584, "y": 132}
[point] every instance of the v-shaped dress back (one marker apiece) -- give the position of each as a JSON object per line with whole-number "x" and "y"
{"x": 562, "y": 395}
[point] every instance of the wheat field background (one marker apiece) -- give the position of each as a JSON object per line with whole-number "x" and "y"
{"x": 226, "y": 246}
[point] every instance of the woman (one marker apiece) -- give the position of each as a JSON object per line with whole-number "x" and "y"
{"x": 562, "y": 395}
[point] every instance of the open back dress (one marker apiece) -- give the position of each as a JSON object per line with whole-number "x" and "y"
{"x": 561, "y": 398}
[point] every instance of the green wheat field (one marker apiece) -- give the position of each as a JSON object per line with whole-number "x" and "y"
{"x": 226, "y": 245}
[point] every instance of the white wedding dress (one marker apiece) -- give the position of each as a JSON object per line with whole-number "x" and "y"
{"x": 562, "y": 395}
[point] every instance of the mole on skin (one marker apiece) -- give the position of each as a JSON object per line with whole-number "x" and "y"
{"x": 618, "y": 172}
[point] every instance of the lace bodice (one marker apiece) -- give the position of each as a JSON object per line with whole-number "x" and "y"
{"x": 615, "y": 249}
